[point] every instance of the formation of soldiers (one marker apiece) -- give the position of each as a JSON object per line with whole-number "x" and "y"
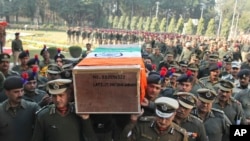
{"x": 196, "y": 88}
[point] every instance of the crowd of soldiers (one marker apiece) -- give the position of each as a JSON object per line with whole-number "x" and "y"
{"x": 196, "y": 88}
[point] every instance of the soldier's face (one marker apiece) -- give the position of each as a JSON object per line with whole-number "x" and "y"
{"x": 59, "y": 62}
{"x": 182, "y": 112}
{"x": 224, "y": 96}
{"x": 235, "y": 71}
{"x": 244, "y": 81}
{"x": 4, "y": 65}
{"x": 15, "y": 95}
{"x": 185, "y": 86}
{"x": 24, "y": 60}
{"x": 61, "y": 100}
{"x": 153, "y": 91}
{"x": 204, "y": 107}
{"x": 163, "y": 123}
{"x": 30, "y": 85}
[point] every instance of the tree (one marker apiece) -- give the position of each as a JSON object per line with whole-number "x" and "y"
{"x": 180, "y": 25}
{"x": 210, "y": 28}
{"x": 244, "y": 21}
{"x": 140, "y": 24}
{"x": 225, "y": 28}
{"x": 200, "y": 27}
{"x": 110, "y": 21}
{"x": 115, "y": 22}
{"x": 171, "y": 26}
{"x": 154, "y": 25}
{"x": 134, "y": 21}
{"x": 163, "y": 25}
{"x": 121, "y": 22}
{"x": 189, "y": 29}
{"x": 147, "y": 24}
{"x": 127, "y": 23}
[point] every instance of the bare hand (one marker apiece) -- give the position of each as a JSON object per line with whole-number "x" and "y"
{"x": 145, "y": 102}
{"x": 134, "y": 117}
{"x": 84, "y": 116}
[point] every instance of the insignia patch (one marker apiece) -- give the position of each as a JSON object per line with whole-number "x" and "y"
{"x": 208, "y": 94}
{"x": 55, "y": 86}
{"x": 164, "y": 107}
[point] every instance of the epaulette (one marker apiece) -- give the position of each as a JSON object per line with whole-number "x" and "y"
{"x": 41, "y": 109}
{"x": 218, "y": 112}
{"x": 235, "y": 100}
{"x": 195, "y": 117}
{"x": 178, "y": 129}
{"x": 146, "y": 118}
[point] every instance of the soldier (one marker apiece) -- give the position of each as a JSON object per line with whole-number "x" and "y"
{"x": 197, "y": 84}
{"x": 84, "y": 35}
{"x": 168, "y": 59}
{"x": 246, "y": 64}
{"x": 69, "y": 33}
{"x": 183, "y": 66}
{"x": 223, "y": 50}
{"x": 5, "y": 65}
{"x": 184, "y": 118}
{"x": 87, "y": 51}
{"x": 54, "y": 72}
{"x": 244, "y": 79}
{"x": 59, "y": 58}
{"x": 17, "y": 47}
{"x": 23, "y": 57}
{"x": 2, "y": 94}
{"x": 43, "y": 65}
{"x": 231, "y": 107}
{"x": 245, "y": 50}
{"x": 186, "y": 52}
{"x": 215, "y": 121}
{"x": 160, "y": 128}
{"x": 212, "y": 81}
{"x": 59, "y": 122}
{"x": 78, "y": 33}
{"x": 233, "y": 75}
{"x": 17, "y": 115}
{"x": 227, "y": 67}
{"x": 204, "y": 67}
{"x": 156, "y": 57}
{"x": 31, "y": 92}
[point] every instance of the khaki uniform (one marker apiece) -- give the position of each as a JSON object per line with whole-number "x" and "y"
{"x": 244, "y": 98}
{"x": 209, "y": 84}
{"x": 146, "y": 130}
{"x": 216, "y": 125}
{"x": 233, "y": 110}
{"x": 19, "y": 69}
{"x": 16, "y": 124}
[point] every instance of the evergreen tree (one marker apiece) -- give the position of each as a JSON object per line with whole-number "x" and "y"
{"x": 171, "y": 26}
{"x": 127, "y": 23}
{"x": 200, "y": 27}
{"x": 133, "y": 23}
{"x": 211, "y": 28}
{"x": 180, "y": 25}
{"x": 115, "y": 22}
{"x": 140, "y": 24}
{"x": 110, "y": 21}
{"x": 163, "y": 25}
{"x": 121, "y": 22}
{"x": 154, "y": 25}
{"x": 225, "y": 28}
{"x": 189, "y": 29}
{"x": 147, "y": 24}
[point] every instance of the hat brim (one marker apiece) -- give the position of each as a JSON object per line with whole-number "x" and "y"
{"x": 53, "y": 72}
{"x": 7, "y": 60}
{"x": 224, "y": 89}
{"x": 235, "y": 66}
{"x": 193, "y": 69}
{"x": 205, "y": 100}
{"x": 185, "y": 105}
{"x": 163, "y": 115}
{"x": 58, "y": 91}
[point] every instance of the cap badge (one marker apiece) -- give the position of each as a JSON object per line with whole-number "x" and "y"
{"x": 208, "y": 94}
{"x": 56, "y": 86}
{"x": 164, "y": 107}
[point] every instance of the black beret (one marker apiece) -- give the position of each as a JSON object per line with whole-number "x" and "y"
{"x": 59, "y": 56}
{"x": 185, "y": 78}
{"x": 23, "y": 54}
{"x": 17, "y": 34}
{"x": 33, "y": 61}
{"x": 227, "y": 58}
{"x": 214, "y": 66}
{"x": 13, "y": 82}
{"x": 4, "y": 57}
{"x": 154, "y": 78}
{"x": 243, "y": 73}
{"x": 29, "y": 75}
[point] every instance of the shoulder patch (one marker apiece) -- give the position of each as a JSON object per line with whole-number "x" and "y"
{"x": 179, "y": 129}
{"x": 217, "y": 110}
{"x": 195, "y": 117}
{"x": 40, "y": 110}
{"x": 235, "y": 101}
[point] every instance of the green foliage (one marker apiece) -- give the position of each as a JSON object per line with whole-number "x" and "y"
{"x": 244, "y": 21}
{"x": 200, "y": 27}
{"x": 171, "y": 26}
{"x": 147, "y": 24}
{"x": 163, "y": 25}
{"x": 225, "y": 28}
{"x": 75, "y": 51}
{"x": 154, "y": 25}
{"x": 115, "y": 22}
{"x": 121, "y": 22}
{"x": 134, "y": 21}
{"x": 140, "y": 24}
{"x": 127, "y": 23}
{"x": 210, "y": 28}
{"x": 180, "y": 25}
{"x": 189, "y": 29}
{"x": 110, "y": 21}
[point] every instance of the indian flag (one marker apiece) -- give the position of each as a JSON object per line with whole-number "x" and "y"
{"x": 117, "y": 55}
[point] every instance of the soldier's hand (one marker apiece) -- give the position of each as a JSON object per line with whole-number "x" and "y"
{"x": 84, "y": 116}
{"x": 134, "y": 117}
{"x": 46, "y": 100}
{"x": 145, "y": 102}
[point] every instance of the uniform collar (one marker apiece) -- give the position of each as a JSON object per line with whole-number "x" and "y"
{"x": 229, "y": 102}
{"x": 22, "y": 105}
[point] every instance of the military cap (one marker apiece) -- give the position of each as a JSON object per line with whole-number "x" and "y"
{"x": 214, "y": 66}
{"x": 43, "y": 50}
{"x": 144, "y": 54}
{"x": 17, "y": 34}
{"x": 29, "y": 75}
{"x": 193, "y": 67}
{"x": 206, "y": 95}
{"x": 154, "y": 78}
{"x": 58, "y": 86}
{"x": 24, "y": 54}
{"x": 227, "y": 58}
{"x": 185, "y": 78}
{"x": 169, "y": 54}
{"x": 54, "y": 69}
{"x": 236, "y": 64}
{"x": 13, "y": 82}
{"x": 33, "y": 61}
{"x": 59, "y": 56}
{"x": 67, "y": 71}
{"x": 213, "y": 57}
{"x": 226, "y": 85}
{"x": 183, "y": 63}
{"x": 243, "y": 73}
{"x": 165, "y": 107}
{"x": 148, "y": 46}
{"x": 4, "y": 57}
{"x": 185, "y": 99}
